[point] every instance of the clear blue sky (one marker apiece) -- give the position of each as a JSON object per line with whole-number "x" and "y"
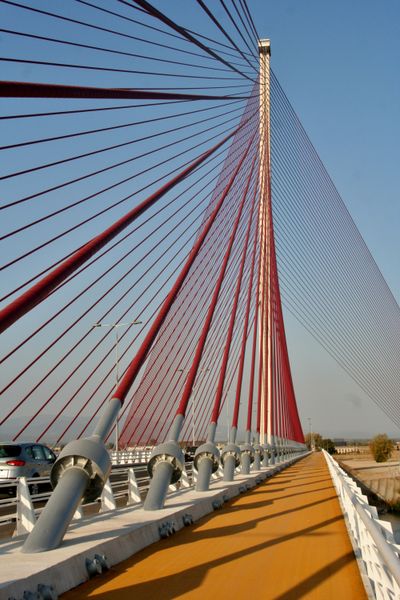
{"x": 339, "y": 65}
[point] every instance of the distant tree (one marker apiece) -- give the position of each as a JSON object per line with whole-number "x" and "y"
{"x": 313, "y": 439}
{"x": 328, "y": 445}
{"x": 381, "y": 447}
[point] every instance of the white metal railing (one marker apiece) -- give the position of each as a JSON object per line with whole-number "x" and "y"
{"x": 128, "y": 457}
{"x": 372, "y": 538}
{"x": 119, "y": 488}
{"x": 119, "y": 480}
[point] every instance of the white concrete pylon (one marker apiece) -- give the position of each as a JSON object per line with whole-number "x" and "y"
{"x": 26, "y": 518}
{"x": 133, "y": 488}
{"x": 107, "y": 498}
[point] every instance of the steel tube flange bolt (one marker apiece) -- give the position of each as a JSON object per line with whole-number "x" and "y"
{"x": 230, "y": 459}
{"x": 206, "y": 462}
{"x": 164, "y": 467}
{"x": 247, "y": 457}
{"x": 80, "y": 472}
{"x": 258, "y": 457}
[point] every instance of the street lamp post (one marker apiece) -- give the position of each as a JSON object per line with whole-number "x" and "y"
{"x": 311, "y": 439}
{"x": 227, "y": 418}
{"x": 116, "y": 326}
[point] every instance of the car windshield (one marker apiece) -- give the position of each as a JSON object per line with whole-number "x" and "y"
{"x": 8, "y": 451}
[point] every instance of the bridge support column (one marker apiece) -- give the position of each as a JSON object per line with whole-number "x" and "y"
{"x": 267, "y": 455}
{"x": 278, "y": 451}
{"x": 247, "y": 458}
{"x": 158, "y": 489}
{"x": 80, "y": 471}
{"x": 206, "y": 462}
{"x": 204, "y": 473}
{"x": 229, "y": 467}
{"x": 62, "y": 503}
{"x": 245, "y": 463}
{"x": 230, "y": 458}
{"x": 258, "y": 457}
{"x": 165, "y": 467}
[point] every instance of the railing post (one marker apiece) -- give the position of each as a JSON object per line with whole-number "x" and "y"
{"x": 26, "y": 518}
{"x": 133, "y": 488}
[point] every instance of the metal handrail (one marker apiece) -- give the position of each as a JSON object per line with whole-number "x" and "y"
{"x": 120, "y": 489}
{"x": 389, "y": 556}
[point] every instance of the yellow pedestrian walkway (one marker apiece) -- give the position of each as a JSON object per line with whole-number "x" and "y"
{"x": 284, "y": 540}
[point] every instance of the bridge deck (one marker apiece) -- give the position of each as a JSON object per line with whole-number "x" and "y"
{"x": 286, "y": 539}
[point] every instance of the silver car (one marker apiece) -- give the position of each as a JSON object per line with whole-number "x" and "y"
{"x": 24, "y": 460}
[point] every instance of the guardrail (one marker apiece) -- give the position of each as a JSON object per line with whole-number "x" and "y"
{"x": 119, "y": 480}
{"x": 20, "y": 512}
{"x": 372, "y": 538}
{"x": 125, "y": 457}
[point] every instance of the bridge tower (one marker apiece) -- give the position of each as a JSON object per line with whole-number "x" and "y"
{"x": 264, "y": 292}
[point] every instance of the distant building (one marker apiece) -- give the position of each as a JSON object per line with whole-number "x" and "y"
{"x": 350, "y": 446}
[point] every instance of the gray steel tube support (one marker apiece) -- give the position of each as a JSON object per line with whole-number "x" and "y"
{"x": 158, "y": 489}
{"x": 211, "y": 432}
{"x": 107, "y": 419}
{"x": 58, "y": 512}
{"x": 176, "y": 428}
{"x": 204, "y": 474}
{"x": 229, "y": 467}
{"x": 73, "y": 483}
{"x": 163, "y": 469}
{"x": 273, "y": 450}
{"x": 246, "y": 462}
{"x": 232, "y": 435}
{"x": 257, "y": 462}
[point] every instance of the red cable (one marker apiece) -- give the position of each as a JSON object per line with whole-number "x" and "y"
{"x": 22, "y": 89}
{"x": 39, "y": 291}
{"x": 220, "y": 386}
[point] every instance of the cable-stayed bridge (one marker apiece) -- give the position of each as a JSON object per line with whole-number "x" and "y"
{"x": 161, "y": 203}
